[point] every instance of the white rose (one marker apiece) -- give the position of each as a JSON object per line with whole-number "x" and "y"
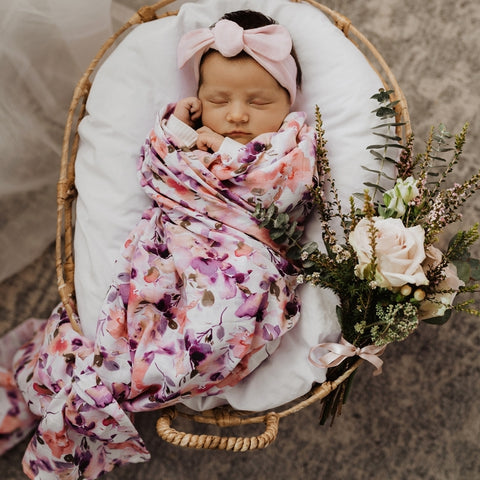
{"x": 399, "y": 250}
{"x": 401, "y": 195}
{"x": 442, "y": 301}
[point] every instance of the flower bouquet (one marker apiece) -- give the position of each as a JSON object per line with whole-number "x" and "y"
{"x": 382, "y": 259}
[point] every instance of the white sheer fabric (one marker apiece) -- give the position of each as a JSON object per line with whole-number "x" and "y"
{"x": 45, "y": 45}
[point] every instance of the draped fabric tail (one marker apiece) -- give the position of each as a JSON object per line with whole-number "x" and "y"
{"x": 16, "y": 420}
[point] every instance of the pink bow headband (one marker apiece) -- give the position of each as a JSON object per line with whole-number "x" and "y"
{"x": 270, "y": 46}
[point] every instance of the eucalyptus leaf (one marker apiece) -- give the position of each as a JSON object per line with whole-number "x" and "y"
{"x": 475, "y": 269}
{"x": 359, "y": 195}
{"x": 370, "y": 169}
{"x": 294, "y": 252}
{"x": 379, "y": 172}
{"x": 277, "y": 234}
{"x": 388, "y": 137}
{"x": 373, "y": 185}
{"x": 292, "y": 229}
{"x": 281, "y": 220}
{"x": 389, "y": 124}
{"x": 382, "y": 95}
{"x": 394, "y": 103}
{"x": 464, "y": 271}
{"x": 310, "y": 247}
{"x": 377, "y": 155}
{"x": 391, "y": 160}
{"x": 271, "y": 211}
{"x": 296, "y": 235}
{"x": 387, "y": 145}
{"x": 339, "y": 312}
{"x": 385, "y": 112}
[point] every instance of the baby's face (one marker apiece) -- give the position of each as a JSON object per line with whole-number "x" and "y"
{"x": 240, "y": 99}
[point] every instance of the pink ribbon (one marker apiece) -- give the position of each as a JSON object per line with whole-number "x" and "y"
{"x": 338, "y": 352}
{"x": 270, "y": 46}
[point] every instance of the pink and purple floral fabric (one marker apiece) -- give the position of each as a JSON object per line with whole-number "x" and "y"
{"x": 201, "y": 296}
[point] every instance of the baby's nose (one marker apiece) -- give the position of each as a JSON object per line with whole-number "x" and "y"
{"x": 237, "y": 113}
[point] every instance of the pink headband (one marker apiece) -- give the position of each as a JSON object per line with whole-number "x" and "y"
{"x": 270, "y": 46}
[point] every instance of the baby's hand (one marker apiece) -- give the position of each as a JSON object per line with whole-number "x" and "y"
{"x": 188, "y": 110}
{"x": 208, "y": 139}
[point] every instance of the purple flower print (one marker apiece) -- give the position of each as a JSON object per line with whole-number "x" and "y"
{"x": 253, "y": 306}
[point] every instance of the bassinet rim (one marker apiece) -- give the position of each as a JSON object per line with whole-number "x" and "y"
{"x": 66, "y": 195}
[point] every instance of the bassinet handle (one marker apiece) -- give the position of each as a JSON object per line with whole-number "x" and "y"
{"x": 215, "y": 442}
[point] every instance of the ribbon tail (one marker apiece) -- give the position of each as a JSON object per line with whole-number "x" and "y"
{"x": 374, "y": 360}
{"x": 336, "y": 354}
{"x": 328, "y": 360}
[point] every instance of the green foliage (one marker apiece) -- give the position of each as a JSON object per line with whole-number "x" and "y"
{"x": 387, "y": 113}
{"x": 371, "y": 312}
{"x": 279, "y": 226}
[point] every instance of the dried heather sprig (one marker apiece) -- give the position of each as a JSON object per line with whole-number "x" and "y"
{"x": 407, "y": 162}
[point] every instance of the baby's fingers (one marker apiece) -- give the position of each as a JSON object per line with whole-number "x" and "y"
{"x": 195, "y": 109}
{"x": 202, "y": 143}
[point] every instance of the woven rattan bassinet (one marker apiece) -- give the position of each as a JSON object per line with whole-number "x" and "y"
{"x": 220, "y": 416}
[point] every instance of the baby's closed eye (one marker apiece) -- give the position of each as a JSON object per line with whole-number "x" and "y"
{"x": 218, "y": 100}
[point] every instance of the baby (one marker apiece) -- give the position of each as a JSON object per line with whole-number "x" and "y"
{"x": 242, "y": 93}
{"x": 199, "y": 257}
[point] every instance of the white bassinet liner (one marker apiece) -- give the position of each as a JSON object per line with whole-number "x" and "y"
{"x": 137, "y": 79}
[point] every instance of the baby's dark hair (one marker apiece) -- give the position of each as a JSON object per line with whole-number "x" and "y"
{"x": 249, "y": 19}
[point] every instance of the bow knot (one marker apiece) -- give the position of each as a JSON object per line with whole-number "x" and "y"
{"x": 228, "y": 38}
{"x": 338, "y": 352}
{"x": 270, "y": 46}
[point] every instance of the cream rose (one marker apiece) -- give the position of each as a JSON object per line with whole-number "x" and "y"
{"x": 442, "y": 301}
{"x": 400, "y": 252}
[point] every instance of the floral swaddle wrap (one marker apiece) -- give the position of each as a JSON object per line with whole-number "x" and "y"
{"x": 201, "y": 297}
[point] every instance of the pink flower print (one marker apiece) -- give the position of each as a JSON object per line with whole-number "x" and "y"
{"x": 240, "y": 343}
{"x": 152, "y": 274}
{"x": 160, "y": 146}
{"x": 42, "y": 389}
{"x": 180, "y": 190}
{"x": 9, "y": 424}
{"x": 138, "y": 374}
{"x": 180, "y": 315}
{"x": 6, "y": 379}
{"x": 59, "y": 345}
{"x": 291, "y": 123}
{"x": 243, "y": 250}
{"x": 58, "y": 442}
{"x": 116, "y": 322}
{"x": 265, "y": 179}
{"x": 298, "y": 171}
